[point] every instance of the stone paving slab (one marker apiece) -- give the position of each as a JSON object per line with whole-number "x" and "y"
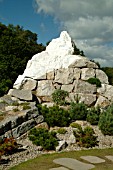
{"x": 73, "y": 164}
{"x": 110, "y": 157}
{"x": 93, "y": 159}
{"x": 59, "y": 168}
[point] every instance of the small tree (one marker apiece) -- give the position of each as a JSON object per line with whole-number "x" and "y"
{"x": 106, "y": 121}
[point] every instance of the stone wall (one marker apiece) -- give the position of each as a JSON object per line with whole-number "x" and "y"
{"x": 72, "y": 79}
{"x": 17, "y": 123}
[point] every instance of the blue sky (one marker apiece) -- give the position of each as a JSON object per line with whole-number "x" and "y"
{"x": 23, "y": 13}
{"x": 89, "y": 23}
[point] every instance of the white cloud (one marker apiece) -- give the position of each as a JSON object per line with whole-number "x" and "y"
{"x": 89, "y": 22}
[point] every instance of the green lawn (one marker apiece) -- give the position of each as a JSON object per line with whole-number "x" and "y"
{"x": 45, "y": 162}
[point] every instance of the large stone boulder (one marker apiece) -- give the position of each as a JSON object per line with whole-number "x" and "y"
{"x": 58, "y": 68}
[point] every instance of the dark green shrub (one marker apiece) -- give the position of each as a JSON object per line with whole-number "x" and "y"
{"x": 78, "y": 111}
{"x": 55, "y": 116}
{"x": 95, "y": 81}
{"x": 42, "y": 137}
{"x": 61, "y": 131}
{"x": 86, "y": 138}
{"x": 93, "y": 115}
{"x": 106, "y": 121}
{"x": 59, "y": 96}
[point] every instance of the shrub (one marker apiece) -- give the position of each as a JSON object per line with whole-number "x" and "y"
{"x": 55, "y": 116}
{"x": 94, "y": 81}
{"x": 76, "y": 125}
{"x": 93, "y": 115}
{"x": 42, "y": 137}
{"x": 106, "y": 121}
{"x": 78, "y": 111}
{"x": 8, "y": 146}
{"x": 62, "y": 131}
{"x": 86, "y": 138}
{"x": 59, "y": 96}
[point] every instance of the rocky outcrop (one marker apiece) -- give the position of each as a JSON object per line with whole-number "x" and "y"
{"x": 55, "y": 68}
{"x": 58, "y": 68}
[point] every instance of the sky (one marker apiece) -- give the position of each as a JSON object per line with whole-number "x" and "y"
{"x": 89, "y": 23}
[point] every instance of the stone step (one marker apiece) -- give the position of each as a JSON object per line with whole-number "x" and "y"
{"x": 93, "y": 159}
{"x": 73, "y": 164}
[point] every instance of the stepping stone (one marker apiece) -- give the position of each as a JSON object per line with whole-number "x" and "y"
{"x": 59, "y": 168}
{"x": 110, "y": 157}
{"x": 73, "y": 164}
{"x": 93, "y": 159}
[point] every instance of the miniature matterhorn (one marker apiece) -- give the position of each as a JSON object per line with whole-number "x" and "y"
{"x": 58, "y": 54}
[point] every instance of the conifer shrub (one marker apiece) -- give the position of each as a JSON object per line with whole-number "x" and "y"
{"x": 42, "y": 137}
{"x": 55, "y": 116}
{"x": 61, "y": 131}
{"x": 78, "y": 111}
{"x": 106, "y": 121}
{"x": 93, "y": 115}
{"x": 95, "y": 81}
{"x": 59, "y": 96}
{"x": 85, "y": 137}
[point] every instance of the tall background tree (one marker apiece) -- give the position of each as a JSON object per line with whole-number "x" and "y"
{"x": 17, "y": 46}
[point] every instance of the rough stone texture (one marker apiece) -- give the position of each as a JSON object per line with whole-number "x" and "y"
{"x": 68, "y": 87}
{"x": 102, "y": 102}
{"x": 84, "y": 87}
{"x": 102, "y": 76}
{"x": 64, "y": 76}
{"x": 77, "y": 73}
{"x": 45, "y": 88}
{"x": 87, "y": 73}
{"x": 29, "y": 84}
{"x": 50, "y": 75}
{"x": 93, "y": 159}
{"x": 110, "y": 157}
{"x": 21, "y": 94}
{"x": 109, "y": 92}
{"x": 23, "y": 128}
{"x": 42, "y": 125}
{"x": 88, "y": 99}
{"x": 83, "y": 62}
{"x": 62, "y": 145}
{"x": 73, "y": 164}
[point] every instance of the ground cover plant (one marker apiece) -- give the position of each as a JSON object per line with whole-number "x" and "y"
{"x": 7, "y": 146}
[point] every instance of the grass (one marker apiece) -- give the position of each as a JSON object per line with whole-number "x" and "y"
{"x": 45, "y": 162}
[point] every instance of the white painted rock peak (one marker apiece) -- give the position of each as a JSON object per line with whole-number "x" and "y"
{"x": 58, "y": 54}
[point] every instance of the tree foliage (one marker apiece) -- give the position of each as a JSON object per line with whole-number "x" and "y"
{"x": 17, "y": 46}
{"x": 109, "y": 72}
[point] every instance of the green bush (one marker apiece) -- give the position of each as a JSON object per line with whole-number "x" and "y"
{"x": 95, "y": 81}
{"x": 106, "y": 121}
{"x": 59, "y": 96}
{"x": 76, "y": 125}
{"x": 62, "y": 131}
{"x": 86, "y": 138}
{"x": 78, "y": 111}
{"x": 55, "y": 116}
{"x": 42, "y": 137}
{"x": 93, "y": 115}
